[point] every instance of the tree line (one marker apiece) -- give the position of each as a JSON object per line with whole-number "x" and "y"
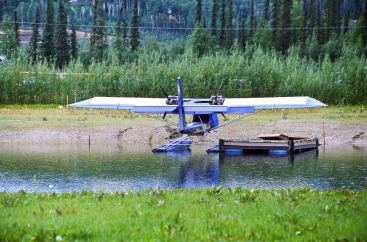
{"x": 314, "y": 26}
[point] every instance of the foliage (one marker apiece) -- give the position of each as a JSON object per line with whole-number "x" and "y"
{"x": 97, "y": 38}
{"x": 229, "y": 27}
{"x": 73, "y": 44}
{"x": 359, "y": 34}
{"x": 16, "y": 30}
{"x": 213, "y": 23}
{"x": 222, "y": 15}
{"x": 8, "y": 42}
{"x": 214, "y": 213}
{"x": 252, "y": 24}
{"x": 198, "y": 11}
{"x": 283, "y": 33}
{"x": 134, "y": 41}
{"x": 35, "y": 38}
{"x": 200, "y": 41}
{"x": 48, "y": 40}
{"x": 62, "y": 43}
{"x": 259, "y": 73}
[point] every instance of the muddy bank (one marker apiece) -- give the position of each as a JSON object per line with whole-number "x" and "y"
{"x": 155, "y": 131}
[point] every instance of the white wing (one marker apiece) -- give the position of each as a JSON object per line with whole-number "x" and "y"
{"x": 231, "y": 105}
{"x": 276, "y": 102}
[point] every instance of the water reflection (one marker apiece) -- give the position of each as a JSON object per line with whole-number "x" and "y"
{"x": 111, "y": 168}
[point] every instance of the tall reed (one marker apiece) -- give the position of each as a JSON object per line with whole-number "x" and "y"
{"x": 255, "y": 73}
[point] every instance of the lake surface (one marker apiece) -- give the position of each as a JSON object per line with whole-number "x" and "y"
{"x": 34, "y": 167}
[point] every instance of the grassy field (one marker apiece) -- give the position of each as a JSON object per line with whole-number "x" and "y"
{"x": 212, "y": 214}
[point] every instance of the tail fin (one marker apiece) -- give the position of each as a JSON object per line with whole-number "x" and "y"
{"x": 181, "y": 111}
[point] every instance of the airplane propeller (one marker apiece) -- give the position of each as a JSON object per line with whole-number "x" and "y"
{"x": 215, "y": 100}
{"x": 171, "y": 99}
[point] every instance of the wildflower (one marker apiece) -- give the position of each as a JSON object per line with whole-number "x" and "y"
{"x": 298, "y": 232}
{"x": 58, "y": 238}
{"x": 160, "y": 202}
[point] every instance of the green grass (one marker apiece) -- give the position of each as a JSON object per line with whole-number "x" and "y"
{"x": 209, "y": 214}
{"x": 26, "y": 118}
{"x": 28, "y": 106}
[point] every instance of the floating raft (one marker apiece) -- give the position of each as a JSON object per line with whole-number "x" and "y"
{"x": 272, "y": 144}
{"x": 174, "y": 145}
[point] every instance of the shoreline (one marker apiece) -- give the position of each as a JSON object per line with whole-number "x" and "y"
{"x": 81, "y": 126}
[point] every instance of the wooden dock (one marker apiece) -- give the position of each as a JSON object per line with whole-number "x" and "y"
{"x": 276, "y": 145}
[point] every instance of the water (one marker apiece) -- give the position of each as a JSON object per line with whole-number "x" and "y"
{"x": 121, "y": 168}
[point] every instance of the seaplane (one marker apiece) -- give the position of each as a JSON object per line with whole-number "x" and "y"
{"x": 204, "y": 112}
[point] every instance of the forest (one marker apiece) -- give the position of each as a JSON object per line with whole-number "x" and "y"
{"x": 85, "y": 48}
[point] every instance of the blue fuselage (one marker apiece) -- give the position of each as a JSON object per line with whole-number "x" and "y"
{"x": 201, "y": 124}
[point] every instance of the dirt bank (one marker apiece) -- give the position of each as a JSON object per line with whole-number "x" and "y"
{"x": 109, "y": 127}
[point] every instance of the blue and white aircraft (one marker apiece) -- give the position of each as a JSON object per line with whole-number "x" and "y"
{"x": 204, "y": 111}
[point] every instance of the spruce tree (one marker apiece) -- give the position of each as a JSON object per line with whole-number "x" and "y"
{"x": 119, "y": 21}
{"x": 121, "y": 34}
{"x": 311, "y": 19}
{"x": 124, "y": 31}
{"x": 319, "y": 33}
{"x": 284, "y": 33}
{"x": 33, "y": 45}
{"x": 303, "y": 36}
{"x": 124, "y": 24}
{"x": 118, "y": 42}
{"x": 73, "y": 43}
{"x": 198, "y": 11}
{"x": 346, "y": 22}
{"x": 48, "y": 43}
{"x": 221, "y": 34}
{"x": 359, "y": 33}
{"x": 213, "y": 23}
{"x": 1, "y": 9}
{"x": 265, "y": 15}
{"x": 364, "y": 22}
{"x": 229, "y": 27}
{"x": 297, "y": 18}
{"x": 62, "y": 46}
{"x": 252, "y": 24}
{"x": 134, "y": 42}
{"x": 331, "y": 21}
{"x": 275, "y": 19}
{"x": 241, "y": 36}
{"x": 16, "y": 29}
{"x": 97, "y": 38}
{"x": 262, "y": 36}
